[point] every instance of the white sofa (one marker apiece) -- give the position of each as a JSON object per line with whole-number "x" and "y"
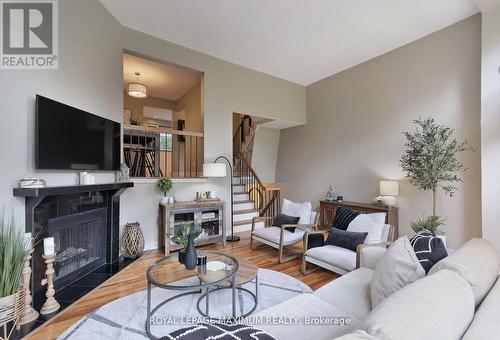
{"x": 453, "y": 301}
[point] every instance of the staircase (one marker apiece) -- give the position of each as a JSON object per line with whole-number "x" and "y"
{"x": 251, "y": 197}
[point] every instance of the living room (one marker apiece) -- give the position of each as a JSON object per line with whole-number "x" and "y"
{"x": 332, "y": 107}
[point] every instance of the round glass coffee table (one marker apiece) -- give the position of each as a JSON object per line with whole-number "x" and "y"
{"x": 247, "y": 272}
{"x": 168, "y": 273}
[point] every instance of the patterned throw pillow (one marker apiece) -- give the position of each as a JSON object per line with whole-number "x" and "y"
{"x": 344, "y": 216}
{"x": 429, "y": 248}
{"x": 219, "y": 331}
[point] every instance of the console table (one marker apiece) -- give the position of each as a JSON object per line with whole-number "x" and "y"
{"x": 209, "y": 216}
{"x": 328, "y": 210}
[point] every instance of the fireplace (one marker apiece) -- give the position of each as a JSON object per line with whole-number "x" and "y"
{"x": 84, "y": 221}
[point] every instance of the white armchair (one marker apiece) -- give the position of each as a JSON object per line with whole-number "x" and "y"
{"x": 282, "y": 239}
{"x": 340, "y": 260}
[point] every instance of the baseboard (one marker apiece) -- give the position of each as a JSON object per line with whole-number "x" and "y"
{"x": 151, "y": 245}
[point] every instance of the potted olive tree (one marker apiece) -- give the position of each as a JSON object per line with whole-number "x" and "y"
{"x": 185, "y": 236}
{"x": 165, "y": 185}
{"x": 13, "y": 249}
{"x": 431, "y": 162}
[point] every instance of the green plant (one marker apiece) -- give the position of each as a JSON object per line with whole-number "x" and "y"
{"x": 181, "y": 235}
{"x": 431, "y": 223}
{"x": 12, "y": 254}
{"x": 164, "y": 184}
{"x": 430, "y": 160}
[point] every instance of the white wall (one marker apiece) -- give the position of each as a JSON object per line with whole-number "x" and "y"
{"x": 355, "y": 119}
{"x": 490, "y": 126}
{"x": 265, "y": 153}
{"x": 90, "y": 77}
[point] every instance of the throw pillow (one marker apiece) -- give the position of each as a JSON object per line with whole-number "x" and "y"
{"x": 303, "y": 210}
{"x": 364, "y": 223}
{"x": 428, "y": 248}
{"x": 344, "y": 216}
{"x": 377, "y": 217}
{"x": 398, "y": 267}
{"x": 345, "y": 239}
{"x": 219, "y": 331}
{"x": 281, "y": 219}
{"x": 315, "y": 240}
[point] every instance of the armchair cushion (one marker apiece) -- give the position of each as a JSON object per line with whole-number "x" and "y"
{"x": 345, "y": 239}
{"x": 315, "y": 240}
{"x": 334, "y": 256}
{"x": 303, "y": 210}
{"x": 272, "y": 234}
{"x": 365, "y": 223}
{"x": 285, "y": 219}
{"x": 344, "y": 216}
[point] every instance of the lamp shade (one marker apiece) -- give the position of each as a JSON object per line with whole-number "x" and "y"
{"x": 137, "y": 90}
{"x": 214, "y": 170}
{"x": 389, "y": 188}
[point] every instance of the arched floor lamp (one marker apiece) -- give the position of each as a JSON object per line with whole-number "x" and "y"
{"x": 219, "y": 170}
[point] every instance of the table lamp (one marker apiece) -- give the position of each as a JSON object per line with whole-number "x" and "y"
{"x": 389, "y": 190}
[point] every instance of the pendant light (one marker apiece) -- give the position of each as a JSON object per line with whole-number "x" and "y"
{"x": 137, "y": 89}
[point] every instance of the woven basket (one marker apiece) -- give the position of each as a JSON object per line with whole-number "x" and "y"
{"x": 12, "y": 306}
{"x": 132, "y": 242}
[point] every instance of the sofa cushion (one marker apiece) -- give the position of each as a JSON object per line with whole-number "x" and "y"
{"x": 334, "y": 256}
{"x": 485, "y": 325}
{"x": 345, "y": 239}
{"x": 344, "y": 216}
{"x": 273, "y": 234}
{"x": 350, "y": 292}
{"x": 398, "y": 267}
{"x": 371, "y": 256}
{"x": 477, "y": 262}
{"x": 296, "y": 310}
{"x": 428, "y": 248}
{"x": 439, "y": 306}
{"x": 281, "y": 219}
{"x": 365, "y": 223}
{"x": 302, "y": 210}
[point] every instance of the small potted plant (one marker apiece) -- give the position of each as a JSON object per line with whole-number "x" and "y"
{"x": 164, "y": 184}
{"x": 185, "y": 236}
{"x": 13, "y": 249}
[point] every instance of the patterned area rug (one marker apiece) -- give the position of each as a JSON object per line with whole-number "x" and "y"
{"x": 125, "y": 318}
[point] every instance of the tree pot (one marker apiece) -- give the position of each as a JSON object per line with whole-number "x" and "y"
{"x": 164, "y": 199}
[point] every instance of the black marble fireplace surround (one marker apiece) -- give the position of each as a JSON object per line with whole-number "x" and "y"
{"x": 84, "y": 220}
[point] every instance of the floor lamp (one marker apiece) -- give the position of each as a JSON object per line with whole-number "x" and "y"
{"x": 219, "y": 170}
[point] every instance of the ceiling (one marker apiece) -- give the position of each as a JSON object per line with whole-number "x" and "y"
{"x": 298, "y": 40}
{"x": 162, "y": 80}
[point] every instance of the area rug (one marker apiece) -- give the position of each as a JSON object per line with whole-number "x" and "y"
{"x": 125, "y": 318}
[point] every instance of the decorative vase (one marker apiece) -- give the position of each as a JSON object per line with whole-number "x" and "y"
{"x": 164, "y": 199}
{"x": 191, "y": 259}
{"x": 132, "y": 242}
{"x": 182, "y": 256}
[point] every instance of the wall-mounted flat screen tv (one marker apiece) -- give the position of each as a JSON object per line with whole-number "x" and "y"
{"x": 68, "y": 138}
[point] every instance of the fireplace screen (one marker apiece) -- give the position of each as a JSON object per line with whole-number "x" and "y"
{"x": 80, "y": 242}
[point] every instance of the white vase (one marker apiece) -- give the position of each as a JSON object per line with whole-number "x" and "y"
{"x": 164, "y": 200}
{"x": 443, "y": 238}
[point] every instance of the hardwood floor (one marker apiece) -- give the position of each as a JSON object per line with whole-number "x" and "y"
{"x": 132, "y": 279}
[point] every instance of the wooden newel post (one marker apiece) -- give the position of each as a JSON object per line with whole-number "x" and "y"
{"x": 51, "y": 305}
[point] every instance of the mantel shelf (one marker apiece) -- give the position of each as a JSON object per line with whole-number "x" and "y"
{"x": 70, "y": 189}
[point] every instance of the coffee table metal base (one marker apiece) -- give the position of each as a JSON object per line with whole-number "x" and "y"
{"x": 206, "y": 296}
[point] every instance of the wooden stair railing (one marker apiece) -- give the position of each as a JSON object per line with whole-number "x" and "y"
{"x": 266, "y": 197}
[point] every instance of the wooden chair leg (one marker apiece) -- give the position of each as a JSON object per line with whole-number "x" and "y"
{"x": 304, "y": 269}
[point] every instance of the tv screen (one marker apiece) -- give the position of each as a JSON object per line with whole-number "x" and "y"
{"x": 71, "y": 139}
